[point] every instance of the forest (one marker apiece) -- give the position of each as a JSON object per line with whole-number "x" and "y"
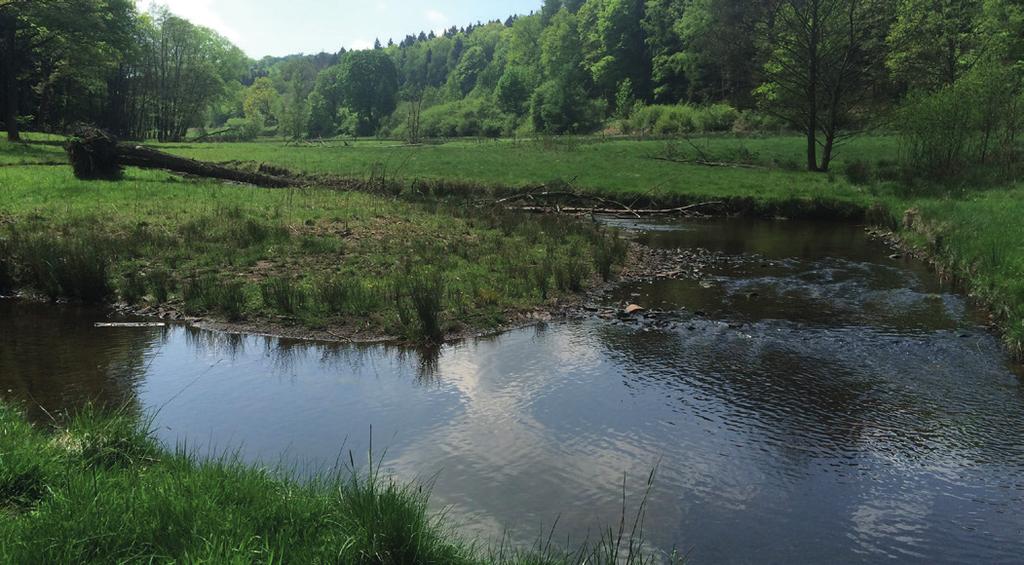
{"x": 825, "y": 69}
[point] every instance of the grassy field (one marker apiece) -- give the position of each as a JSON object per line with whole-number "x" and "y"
{"x": 645, "y": 170}
{"x": 361, "y": 264}
{"x": 972, "y": 230}
{"x": 99, "y": 489}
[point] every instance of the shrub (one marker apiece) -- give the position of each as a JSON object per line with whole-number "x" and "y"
{"x": 857, "y": 172}
{"x": 715, "y": 118}
{"x": 238, "y": 129}
{"x": 661, "y": 119}
{"x": 675, "y": 120}
{"x": 975, "y": 121}
{"x": 559, "y": 108}
{"x": 472, "y": 117}
{"x": 750, "y": 121}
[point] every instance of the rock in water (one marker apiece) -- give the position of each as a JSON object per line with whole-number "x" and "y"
{"x": 633, "y": 309}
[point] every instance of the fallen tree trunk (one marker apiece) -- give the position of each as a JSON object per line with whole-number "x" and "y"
{"x": 96, "y": 155}
{"x": 146, "y": 158}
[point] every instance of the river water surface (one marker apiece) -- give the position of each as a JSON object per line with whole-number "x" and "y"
{"x": 809, "y": 399}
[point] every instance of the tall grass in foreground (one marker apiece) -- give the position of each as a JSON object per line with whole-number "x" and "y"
{"x": 98, "y": 488}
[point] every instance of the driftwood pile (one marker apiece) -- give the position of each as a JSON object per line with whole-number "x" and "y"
{"x": 544, "y": 200}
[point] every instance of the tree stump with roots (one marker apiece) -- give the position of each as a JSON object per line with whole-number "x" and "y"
{"x": 93, "y": 155}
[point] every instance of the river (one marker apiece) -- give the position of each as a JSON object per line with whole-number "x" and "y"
{"x": 808, "y": 399}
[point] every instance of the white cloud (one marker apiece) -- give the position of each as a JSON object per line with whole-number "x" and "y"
{"x": 359, "y": 44}
{"x": 435, "y": 17}
{"x": 437, "y": 20}
{"x": 199, "y": 12}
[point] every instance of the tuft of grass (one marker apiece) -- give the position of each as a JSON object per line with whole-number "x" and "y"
{"x": 283, "y": 295}
{"x": 6, "y": 268}
{"x": 857, "y": 172}
{"x": 542, "y": 277}
{"x": 107, "y": 439}
{"x": 161, "y": 284}
{"x": 133, "y": 287}
{"x": 571, "y": 273}
{"x": 609, "y": 250}
{"x": 207, "y": 294}
{"x": 419, "y": 300}
{"x": 342, "y": 295}
{"x": 26, "y": 467}
{"x": 74, "y": 268}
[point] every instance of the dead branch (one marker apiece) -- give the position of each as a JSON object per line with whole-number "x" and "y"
{"x": 212, "y": 134}
{"x": 709, "y": 163}
{"x": 617, "y": 211}
{"x": 535, "y": 196}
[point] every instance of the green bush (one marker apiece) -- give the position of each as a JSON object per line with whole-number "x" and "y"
{"x": 557, "y": 108}
{"x": 661, "y": 119}
{"x": 472, "y": 117}
{"x": 750, "y": 121}
{"x": 971, "y": 124}
{"x": 857, "y": 172}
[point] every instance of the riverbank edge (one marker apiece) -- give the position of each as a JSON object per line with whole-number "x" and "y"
{"x": 873, "y": 212}
{"x": 930, "y": 253}
{"x": 884, "y": 221}
{"x": 97, "y": 486}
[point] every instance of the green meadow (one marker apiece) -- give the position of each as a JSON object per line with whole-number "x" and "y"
{"x": 971, "y": 228}
{"x": 323, "y": 258}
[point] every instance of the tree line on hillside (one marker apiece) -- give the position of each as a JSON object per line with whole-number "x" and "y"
{"x": 947, "y": 73}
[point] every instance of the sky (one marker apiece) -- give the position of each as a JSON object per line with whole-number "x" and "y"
{"x": 284, "y": 27}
